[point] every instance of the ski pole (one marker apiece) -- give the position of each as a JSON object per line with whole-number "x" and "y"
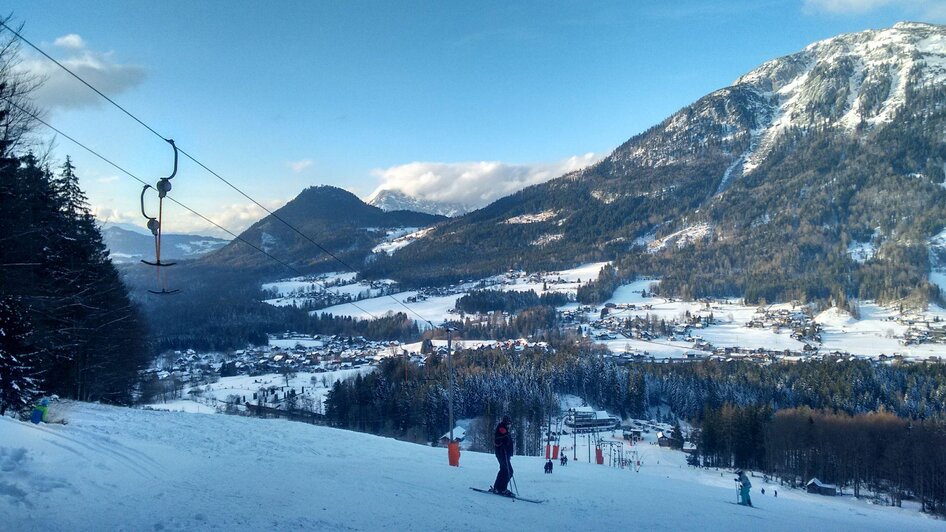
{"x": 512, "y": 477}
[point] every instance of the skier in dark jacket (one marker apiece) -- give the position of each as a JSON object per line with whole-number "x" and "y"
{"x": 504, "y": 451}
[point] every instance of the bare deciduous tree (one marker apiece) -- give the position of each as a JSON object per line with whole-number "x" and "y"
{"x": 17, "y": 87}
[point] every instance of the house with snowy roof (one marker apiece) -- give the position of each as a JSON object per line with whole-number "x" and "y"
{"x": 816, "y": 486}
{"x": 459, "y": 433}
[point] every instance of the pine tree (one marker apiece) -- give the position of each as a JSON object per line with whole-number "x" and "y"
{"x": 676, "y": 436}
{"x": 91, "y": 336}
{"x": 72, "y": 198}
{"x": 18, "y": 384}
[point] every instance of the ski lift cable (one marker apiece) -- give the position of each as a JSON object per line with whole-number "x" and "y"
{"x": 192, "y": 211}
{"x": 136, "y": 178}
{"x": 202, "y": 165}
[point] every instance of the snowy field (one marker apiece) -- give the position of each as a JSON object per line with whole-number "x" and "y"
{"x": 123, "y": 469}
{"x": 399, "y": 238}
{"x": 292, "y": 292}
{"x": 730, "y": 331}
{"x": 457, "y": 344}
{"x": 290, "y": 343}
{"x": 315, "y": 385}
{"x": 437, "y": 309}
{"x": 874, "y": 334}
{"x": 307, "y": 283}
{"x": 565, "y": 281}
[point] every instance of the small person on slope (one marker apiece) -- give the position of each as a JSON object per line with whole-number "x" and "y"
{"x": 744, "y": 486}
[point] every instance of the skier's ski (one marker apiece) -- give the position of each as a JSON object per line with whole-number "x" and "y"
{"x": 514, "y": 498}
{"x": 743, "y": 505}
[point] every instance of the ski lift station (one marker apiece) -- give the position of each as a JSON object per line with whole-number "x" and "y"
{"x": 586, "y": 419}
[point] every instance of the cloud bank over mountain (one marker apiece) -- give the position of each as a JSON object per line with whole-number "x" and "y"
{"x": 475, "y": 184}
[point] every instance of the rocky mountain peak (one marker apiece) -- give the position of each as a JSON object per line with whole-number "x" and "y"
{"x": 396, "y": 200}
{"x": 854, "y": 82}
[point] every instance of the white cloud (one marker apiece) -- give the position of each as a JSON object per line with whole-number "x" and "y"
{"x": 843, "y": 6}
{"x": 298, "y": 166}
{"x": 929, "y": 10}
{"x": 72, "y": 40}
{"x": 236, "y": 217}
{"x": 100, "y": 69}
{"x": 107, "y": 179}
{"x": 474, "y": 184}
{"x": 108, "y": 214}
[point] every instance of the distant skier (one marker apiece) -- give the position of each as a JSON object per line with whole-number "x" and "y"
{"x": 548, "y": 467}
{"x": 504, "y": 450}
{"x": 564, "y": 460}
{"x": 40, "y": 411}
{"x": 744, "y": 486}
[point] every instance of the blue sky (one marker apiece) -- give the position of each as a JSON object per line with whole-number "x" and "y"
{"x": 278, "y": 96}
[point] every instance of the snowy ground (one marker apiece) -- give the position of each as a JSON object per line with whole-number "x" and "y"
{"x": 293, "y": 292}
{"x": 312, "y": 385}
{"x": 565, "y": 281}
{"x": 291, "y": 343}
{"x": 874, "y": 334}
{"x": 307, "y": 283}
{"x": 399, "y": 238}
{"x": 123, "y": 469}
{"x": 456, "y": 344}
{"x": 730, "y": 331}
{"x": 438, "y": 309}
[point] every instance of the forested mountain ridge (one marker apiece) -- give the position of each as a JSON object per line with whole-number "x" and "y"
{"x": 337, "y": 219}
{"x": 758, "y": 189}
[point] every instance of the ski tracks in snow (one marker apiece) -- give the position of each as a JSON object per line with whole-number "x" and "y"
{"x": 27, "y": 473}
{"x": 103, "y": 449}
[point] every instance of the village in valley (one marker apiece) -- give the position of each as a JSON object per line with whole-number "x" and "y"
{"x": 296, "y": 370}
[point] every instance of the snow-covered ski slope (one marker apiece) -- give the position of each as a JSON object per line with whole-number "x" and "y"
{"x": 124, "y": 469}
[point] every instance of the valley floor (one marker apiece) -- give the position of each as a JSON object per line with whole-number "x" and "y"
{"x": 879, "y": 330}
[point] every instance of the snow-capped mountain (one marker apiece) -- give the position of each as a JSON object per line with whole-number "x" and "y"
{"x": 841, "y": 142}
{"x": 396, "y": 200}
{"x": 853, "y": 82}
